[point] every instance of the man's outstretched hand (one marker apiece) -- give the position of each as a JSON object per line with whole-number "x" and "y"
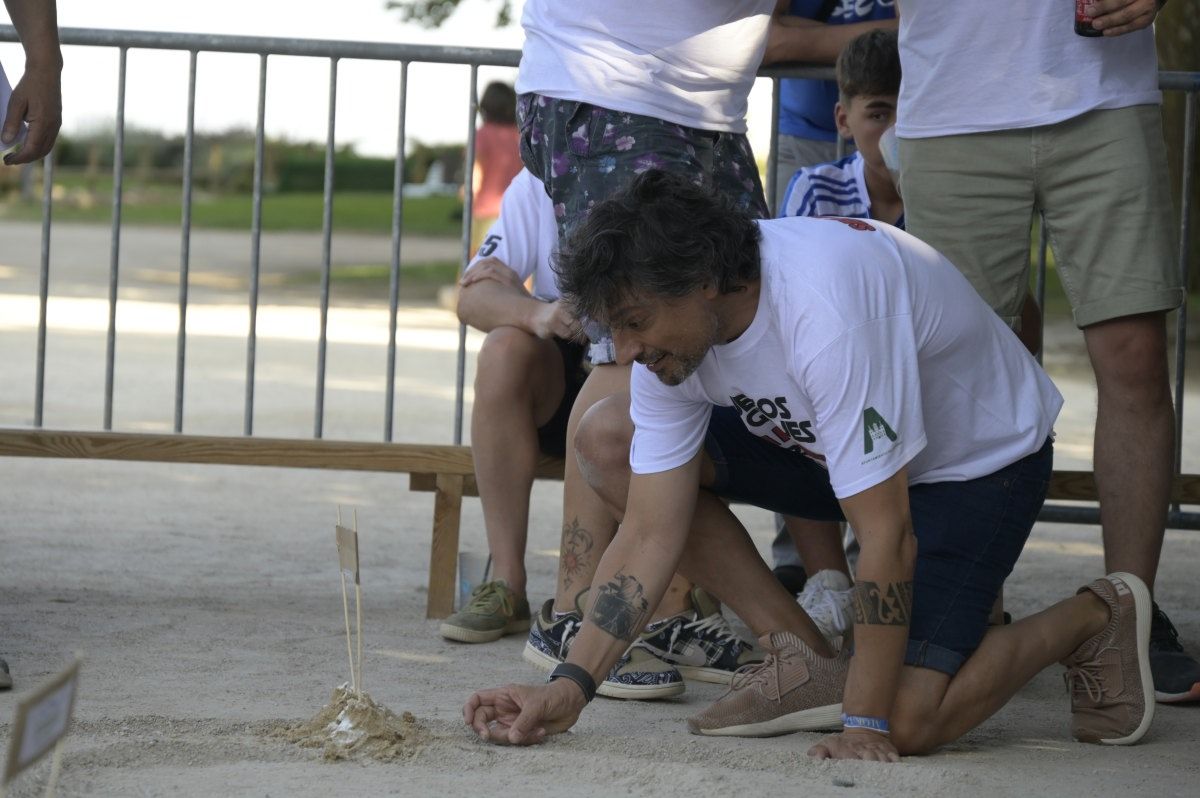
{"x": 521, "y": 714}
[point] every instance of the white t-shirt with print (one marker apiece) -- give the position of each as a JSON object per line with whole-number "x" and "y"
{"x": 978, "y": 65}
{"x": 869, "y": 352}
{"x": 690, "y": 63}
{"x": 525, "y": 236}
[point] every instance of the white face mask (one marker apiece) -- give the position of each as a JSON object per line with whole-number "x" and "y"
{"x": 889, "y": 149}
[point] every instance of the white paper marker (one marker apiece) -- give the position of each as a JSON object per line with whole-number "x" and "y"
{"x": 42, "y": 720}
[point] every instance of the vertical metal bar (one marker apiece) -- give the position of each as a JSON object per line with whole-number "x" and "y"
{"x": 255, "y": 244}
{"x": 185, "y": 246}
{"x": 1185, "y": 212}
{"x": 394, "y": 283}
{"x": 115, "y": 252}
{"x": 326, "y": 251}
{"x": 468, "y": 203}
{"x": 773, "y": 155}
{"x": 39, "y": 390}
{"x": 1040, "y": 284}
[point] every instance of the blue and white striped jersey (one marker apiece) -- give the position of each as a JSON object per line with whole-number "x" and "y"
{"x": 830, "y": 189}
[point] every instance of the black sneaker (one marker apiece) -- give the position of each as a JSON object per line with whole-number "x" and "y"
{"x": 1176, "y": 673}
{"x": 699, "y": 642}
{"x": 638, "y": 674}
{"x": 5, "y": 678}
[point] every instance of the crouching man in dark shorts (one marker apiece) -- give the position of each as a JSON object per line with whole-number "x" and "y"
{"x": 826, "y": 368}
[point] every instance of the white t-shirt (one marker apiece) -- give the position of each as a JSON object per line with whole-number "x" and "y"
{"x": 525, "y": 236}
{"x": 868, "y": 352}
{"x": 978, "y": 65}
{"x": 690, "y": 63}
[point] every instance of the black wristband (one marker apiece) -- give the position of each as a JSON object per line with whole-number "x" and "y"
{"x": 580, "y": 676}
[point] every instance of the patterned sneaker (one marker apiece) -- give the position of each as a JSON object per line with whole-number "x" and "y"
{"x": 1108, "y": 677}
{"x": 792, "y": 690}
{"x": 638, "y": 674}
{"x": 826, "y": 598}
{"x": 699, "y": 642}
{"x": 493, "y": 611}
{"x": 1176, "y": 672}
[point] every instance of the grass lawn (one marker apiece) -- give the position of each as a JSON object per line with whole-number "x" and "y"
{"x": 361, "y": 211}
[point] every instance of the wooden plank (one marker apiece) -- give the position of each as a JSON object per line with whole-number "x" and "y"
{"x": 548, "y": 468}
{"x": 256, "y": 451}
{"x": 1081, "y": 486}
{"x": 443, "y": 550}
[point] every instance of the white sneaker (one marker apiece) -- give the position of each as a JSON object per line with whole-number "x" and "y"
{"x": 826, "y": 599}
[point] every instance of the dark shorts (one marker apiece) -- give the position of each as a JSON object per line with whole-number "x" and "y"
{"x": 584, "y": 154}
{"x": 969, "y": 534}
{"x": 552, "y": 436}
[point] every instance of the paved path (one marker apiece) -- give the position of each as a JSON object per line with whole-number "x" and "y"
{"x": 220, "y": 259}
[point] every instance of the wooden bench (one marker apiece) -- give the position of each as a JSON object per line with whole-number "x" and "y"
{"x": 446, "y": 471}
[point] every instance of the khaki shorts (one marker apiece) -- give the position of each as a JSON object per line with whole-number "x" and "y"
{"x": 1101, "y": 182}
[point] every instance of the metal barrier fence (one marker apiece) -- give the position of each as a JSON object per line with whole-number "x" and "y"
{"x": 404, "y": 55}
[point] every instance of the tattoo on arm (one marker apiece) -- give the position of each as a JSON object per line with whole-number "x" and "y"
{"x": 889, "y": 604}
{"x": 621, "y": 607}
{"x": 574, "y": 560}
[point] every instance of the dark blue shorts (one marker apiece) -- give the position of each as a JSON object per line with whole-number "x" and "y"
{"x": 969, "y": 534}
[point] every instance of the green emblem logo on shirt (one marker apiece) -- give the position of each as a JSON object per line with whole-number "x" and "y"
{"x": 875, "y": 428}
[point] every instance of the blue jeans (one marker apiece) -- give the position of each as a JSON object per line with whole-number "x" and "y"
{"x": 969, "y": 534}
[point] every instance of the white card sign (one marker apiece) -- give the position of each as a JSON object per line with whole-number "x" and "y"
{"x": 42, "y": 720}
{"x": 347, "y": 546}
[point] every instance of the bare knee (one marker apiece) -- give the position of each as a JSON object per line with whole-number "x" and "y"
{"x": 1129, "y": 356}
{"x": 602, "y": 448}
{"x": 505, "y": 365}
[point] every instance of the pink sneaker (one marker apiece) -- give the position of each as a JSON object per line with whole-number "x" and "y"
{"x": 1108, "y": 677}
{"x": 793, "y": 689}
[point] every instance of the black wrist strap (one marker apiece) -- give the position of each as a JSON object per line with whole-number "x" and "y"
{"x": 578, "y": 675}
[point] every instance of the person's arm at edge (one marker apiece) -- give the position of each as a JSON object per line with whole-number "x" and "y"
{"x": 37, "y": 97}
{"x": 797, "y": 39}
{"x": 882, "y": 603}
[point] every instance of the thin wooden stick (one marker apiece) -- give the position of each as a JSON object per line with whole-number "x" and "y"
{"x": 55, "y": 769}
{"x": 358, "y": 611}
{"x": 358, "y": 618}
{"x": 346, "y": 614}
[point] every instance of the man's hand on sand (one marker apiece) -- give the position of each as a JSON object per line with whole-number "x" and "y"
{"x": 856, "y": 745}
{"x": 520, "y": 714}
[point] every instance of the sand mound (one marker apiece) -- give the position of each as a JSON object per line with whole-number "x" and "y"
{"x": 353, "y": 727}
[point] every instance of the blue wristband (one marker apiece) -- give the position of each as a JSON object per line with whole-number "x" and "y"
{"x": 867, "y": 722}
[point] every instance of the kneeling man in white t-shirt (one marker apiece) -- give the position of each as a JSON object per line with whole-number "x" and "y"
{"x": 826, "y": 368}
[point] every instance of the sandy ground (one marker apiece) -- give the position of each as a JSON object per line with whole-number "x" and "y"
{"x": 205, "y": 599}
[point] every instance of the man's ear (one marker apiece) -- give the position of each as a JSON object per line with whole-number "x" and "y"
{"x": 840, "y": 113}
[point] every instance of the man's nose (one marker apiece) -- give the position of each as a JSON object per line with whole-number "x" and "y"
{"x": 626, "y": 346}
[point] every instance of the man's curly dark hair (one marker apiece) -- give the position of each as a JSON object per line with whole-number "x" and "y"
{"x": 662, "y": 236}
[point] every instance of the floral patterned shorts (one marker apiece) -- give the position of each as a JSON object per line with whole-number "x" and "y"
{"x": 584, "y": 153}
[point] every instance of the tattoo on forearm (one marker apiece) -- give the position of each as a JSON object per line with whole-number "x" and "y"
{"x": 573, "y": 561}
{"x": 620, "y": 607}
{"x": 889, "y": 604}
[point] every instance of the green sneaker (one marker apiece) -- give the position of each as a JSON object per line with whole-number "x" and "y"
{"x": 493, "y": 611}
